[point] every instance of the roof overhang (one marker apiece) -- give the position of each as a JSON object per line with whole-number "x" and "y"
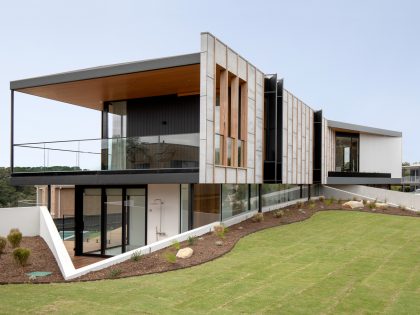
{"x": 346, "y": 127}
{"x": 94, "y": 86}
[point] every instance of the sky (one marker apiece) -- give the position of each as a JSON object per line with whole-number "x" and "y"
{"x": 359, "y": 61}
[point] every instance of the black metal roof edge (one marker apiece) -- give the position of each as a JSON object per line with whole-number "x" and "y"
{"x": 364, "y": 129}
{"x": 108, "y": 179}
{"x": 109, "y": 70}
{"x": 107, "y": 172}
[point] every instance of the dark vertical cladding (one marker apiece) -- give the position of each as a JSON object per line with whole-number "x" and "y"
{"x": 317, "y": 147}
{"x": 12, "y": 129}
{"x": 163, "y": 115}
{"x": 273, "y": 122}
{"x": 270, "y": 127}
{"x": 279, "y": 157}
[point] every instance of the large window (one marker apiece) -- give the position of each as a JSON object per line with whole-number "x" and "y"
{"x": 347, "y": 152}
{"x": 241, "y": 153}
{"x": 206, "y": 204}
{"x": 117, "y": 128}
{"x": 229, "y": 152}
{"x": 234, "y": 200}
{"x": 218, "y": 149}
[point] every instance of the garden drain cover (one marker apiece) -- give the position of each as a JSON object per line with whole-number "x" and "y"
{"x": 37, "y": 274}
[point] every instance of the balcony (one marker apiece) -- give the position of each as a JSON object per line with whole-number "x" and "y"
{"x": 411, "y": 180}
{"x": 176, "y": 153}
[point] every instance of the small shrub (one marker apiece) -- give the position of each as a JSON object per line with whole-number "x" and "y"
{"x": 136, "y": 256}
{"x": 3, "y": 243}
{"x": 372, "y": 205}
{"x": 312, "y": 206}
{"x": 192, "y": 240}
{"x": 299, "y": 204}
{"x": 176, "y": 245}
{"x": 311, "y": 202}
{"x": 114, "y": 273}
{"x": 258, "y": 217}
{"x": 220, "y": 230}
{"x": 21, "y": 255}
{"x": 339, "y": 201}
{"x": 278, "y": 213}
{"x": 354, "y": 199}
{"x": 329, "y": 201}
{"x": 321, "y": 198}
{"x": 170, "y": 257}
{"x": 14, "y": 237}
{"x": 365, "y": 202}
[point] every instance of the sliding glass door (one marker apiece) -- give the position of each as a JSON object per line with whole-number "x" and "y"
{"x": 114, "y": 221}
{"x": 136, "y": 215}
{"x": 110, "y": 220}
{"x": 91, "y": 237}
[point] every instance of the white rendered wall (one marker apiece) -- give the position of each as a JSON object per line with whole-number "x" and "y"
{"x": 380, "y": 154}
{"x": 26, "y": 219}
{"x": 169, "y": 194}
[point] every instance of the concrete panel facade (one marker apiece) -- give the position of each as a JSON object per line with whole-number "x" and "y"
{"x": 298, "y": 120}
{"x": 215, "y": 58}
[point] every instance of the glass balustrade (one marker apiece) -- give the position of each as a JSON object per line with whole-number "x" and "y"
{"x": 180, "y": 151}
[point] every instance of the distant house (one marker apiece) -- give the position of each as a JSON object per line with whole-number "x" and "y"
{"x": 411, "y": 178}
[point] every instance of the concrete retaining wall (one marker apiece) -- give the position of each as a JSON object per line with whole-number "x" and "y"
{"x": 393, "y": 198}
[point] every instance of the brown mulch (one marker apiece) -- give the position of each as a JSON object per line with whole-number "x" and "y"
{"x": 41, "y": 259}
{"x": 205, "y": 248}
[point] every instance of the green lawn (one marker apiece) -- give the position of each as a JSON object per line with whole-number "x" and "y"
{"x": 335, "y": 262}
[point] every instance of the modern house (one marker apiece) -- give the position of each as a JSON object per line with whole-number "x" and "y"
{"x": 189, "y": 140}
{"x": 411, "y": 178}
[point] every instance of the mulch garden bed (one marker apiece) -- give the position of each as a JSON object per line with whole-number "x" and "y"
{"x": 205, "y": 247}
{"x": 41, "y": 259}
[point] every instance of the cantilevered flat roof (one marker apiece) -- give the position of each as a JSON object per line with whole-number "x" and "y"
{"x": 109, "y": 70}
{"x": 363, "y": 129}
{"x": 93, "y": 86}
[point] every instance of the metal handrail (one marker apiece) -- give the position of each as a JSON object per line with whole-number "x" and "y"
{"x": 94, "y": 139}
{"x": 411, "y": 179}
{"x": 154, "y": 149}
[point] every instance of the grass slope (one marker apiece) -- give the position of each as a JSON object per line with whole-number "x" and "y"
{"x": 335, "y": 262}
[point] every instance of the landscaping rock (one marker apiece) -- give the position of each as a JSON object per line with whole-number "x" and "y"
{"x": 302, "y": 211}
{"x": 219, "y": 243}
{"x": 381, "y": 205}
{"x": 353, "y": 204}
{"x": 240, "y": 228}
{"x": 184, "y": 253}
